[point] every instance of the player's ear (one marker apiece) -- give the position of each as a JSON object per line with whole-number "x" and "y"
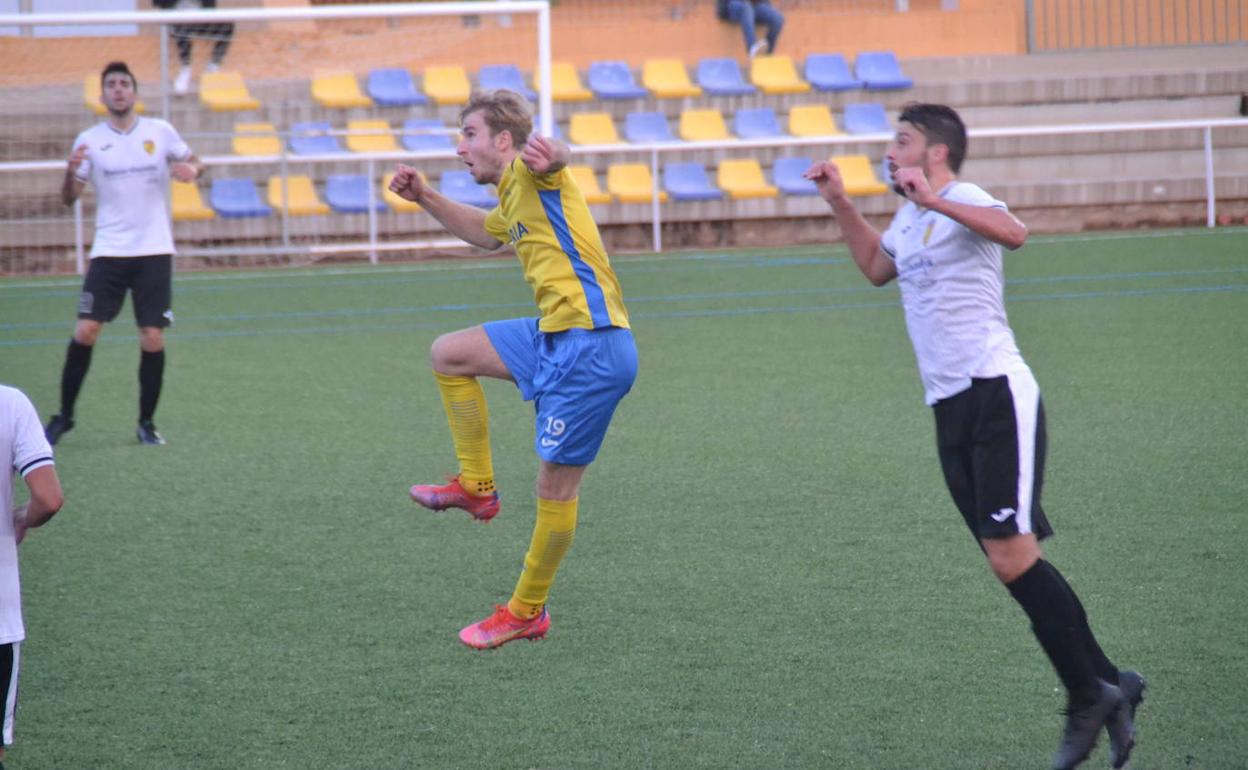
{"x": 939, "y": 153}
{"x": 503, "y": 141}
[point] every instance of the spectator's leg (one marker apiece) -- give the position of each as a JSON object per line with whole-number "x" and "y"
{"x": 773, "y": 20}
{"x": 182, "y": 34}
{"x": 223, "y": 34}
{"x": 742, "y": 12}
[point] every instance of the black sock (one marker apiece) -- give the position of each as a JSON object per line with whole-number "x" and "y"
{"x": 1048, "y": 602}
{"x": 1105, "y": 669}
{"x": 77, "y": 361}
{"x": 151, "y": 376}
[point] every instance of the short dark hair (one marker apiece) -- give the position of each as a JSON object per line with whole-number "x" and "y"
{"x": 118, "y": 66}
{"x": 503, "y": 110}
{"x": 940, "y": 125}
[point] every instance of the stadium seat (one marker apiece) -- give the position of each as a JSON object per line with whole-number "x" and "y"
{"x": 338, "y": 90}
{"x": 492, "y": 76}
{"x": 868, "y": 118}
{"x": 448, "y": 84}
{"x": 226, "y": 91}
{"x": 348, "y": 194}
{"x": 812, "y": 120}
{"x": 689, "y": 182}
{"x": 237, "y": 198}
{"x": 394, "y": 87}
{"x": 702, "y": 126}
{"x": 647, "y": 128}
{"x": 613, "y": 80}
{"x": 417, "y": 140}
{"x": 879, "y": 70}
{"x": 311, "y": 139}
{"x": 756, "y": 123}
{"x": 722, "y": 77}
{"x": 188, "y": 204}
{"x": 370, "y": 137}
{"x": 776, "y": 75}
{"x": 255, "y": 139}
{"x": 787, "y": 174}
{"x": 303, "y": 200}
{"x": 91, "y": 92}
{"x": 401, "y": 205}
{"x": 460, "y": 186}
{"x": 565, "y": 83}
{"x": 830, "y": 72}
{"x": 858, "y": 175}
{"x": 632, "y": 183}
{"x": 744, "y": 179}
{"x": 592, "y": 128}
{"x": 587, "y": 180}
{"x": 668, "y": 79}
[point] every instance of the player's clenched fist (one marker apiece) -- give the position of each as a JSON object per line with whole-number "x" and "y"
{"x": 827, "y": 179}
{"x": 408, "y": 184}
{"x": 78, "y": 156}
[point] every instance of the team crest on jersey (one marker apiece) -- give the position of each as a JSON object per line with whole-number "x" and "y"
{"x": 927, "y": 234}
{"x": 149, "y": 146}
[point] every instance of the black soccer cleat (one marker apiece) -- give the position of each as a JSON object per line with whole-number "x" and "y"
{"x": 58, "y": 426}
{"x": 147, "y": 434}
{"x": 1083, "y": 724}
{"x": 1121, "y": 724}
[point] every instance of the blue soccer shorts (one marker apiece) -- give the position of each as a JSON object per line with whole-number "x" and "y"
{"x": 574, "y": 378}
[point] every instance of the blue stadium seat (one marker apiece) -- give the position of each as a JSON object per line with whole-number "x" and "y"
{"x": 348, "y": 194}
{"x": 879, "y": 70}
{"x": 418, "y": 140}
{"x": 723, "y": 77}
{"x": 460, "y": 186}
{"x": 394, "y": 87}
{"x": 613, "y": 80}
{"x": 756, "y": 123}
{"x": 647, "y": 127}
{"x": 689, "y": 182}
{"x": 787, "y": 175}
{"x": 301, "y": 143}
{"x": 506, "y": 76}
{"x": 830, "y": 72}
{"x": 868, "y": 118}
{"x": 236, "y": 198}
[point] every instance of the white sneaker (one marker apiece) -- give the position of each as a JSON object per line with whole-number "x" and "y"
{"x": 182, "y": 83}
{"x": 212, "y": 66}
{"x": 758, "y": 48}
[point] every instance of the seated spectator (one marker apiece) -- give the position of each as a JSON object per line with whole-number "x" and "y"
{"x": 184, "y": 34}
{"x": 750, "y": 13}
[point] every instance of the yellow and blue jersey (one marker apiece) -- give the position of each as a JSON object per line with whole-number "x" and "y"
{"x": 547, "y": 220}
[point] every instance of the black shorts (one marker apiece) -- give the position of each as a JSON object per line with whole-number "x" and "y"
{"x": 991, "y": 441}
{"x": 10, "y": 654}
{"x": 149, "y": 279}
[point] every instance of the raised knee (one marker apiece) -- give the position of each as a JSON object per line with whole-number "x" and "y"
{"x": 442, "y": 355}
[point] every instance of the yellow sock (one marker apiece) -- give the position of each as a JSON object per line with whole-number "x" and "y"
{"x": 552, "y": 537}
{"x": 470, "y": 430}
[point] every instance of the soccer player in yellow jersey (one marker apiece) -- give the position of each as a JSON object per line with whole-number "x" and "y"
{"x": 575, "y": 362}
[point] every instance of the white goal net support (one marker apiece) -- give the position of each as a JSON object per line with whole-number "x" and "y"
{"x": 299, "y": 113}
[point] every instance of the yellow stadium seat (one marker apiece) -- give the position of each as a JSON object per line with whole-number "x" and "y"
{"x": 592, "y": 128}
{"x": 448, "y": 84}
{"x": 702, "y": 126}
{"x": 225, "y": 91}
{"x": 370, "y": 137}
{"x": 858, "y": 175}
{"x": 188, "y": 204}
{"x": 256, "y": 139}
{"x": 395, "y": 202}
{"x": 565, "y": 83}
{"x": 668, "y": 79}
{"x": 91, "y": 91}
{"x": 632, "y": 183}
{"x": 587, "y": 180}
{"x": 303, "y": 200}
{"x": 338, "y": 89}
{"x": 776, "y": 75}
{"x": 812, "y": 120}
{"x": 744, "y": 179}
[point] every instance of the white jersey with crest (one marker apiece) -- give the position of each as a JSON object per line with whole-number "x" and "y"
{"x": 130, "y": 173}
{"x": 953, "y": 292}
{"x": 23, "y": 448}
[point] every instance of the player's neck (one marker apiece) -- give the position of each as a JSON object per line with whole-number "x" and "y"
{"x": 941, "y": 177}
{"x": 123, "y": 122}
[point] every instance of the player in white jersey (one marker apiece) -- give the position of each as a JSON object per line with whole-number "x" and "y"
{"x": 129, "y": 160}
{"x": 944, "y": 249}
{"x": 23, "y": 450}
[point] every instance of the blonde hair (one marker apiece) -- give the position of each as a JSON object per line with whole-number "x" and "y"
{"x": 502, "y": 110}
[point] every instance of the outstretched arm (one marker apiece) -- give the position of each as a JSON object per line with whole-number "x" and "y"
{"x": 863, "y": 239}
{"x": 996, "y": 225}
{"x": 461, "y": 220}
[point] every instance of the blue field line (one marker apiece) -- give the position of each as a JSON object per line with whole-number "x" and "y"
{"x": 724, "y": 313}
